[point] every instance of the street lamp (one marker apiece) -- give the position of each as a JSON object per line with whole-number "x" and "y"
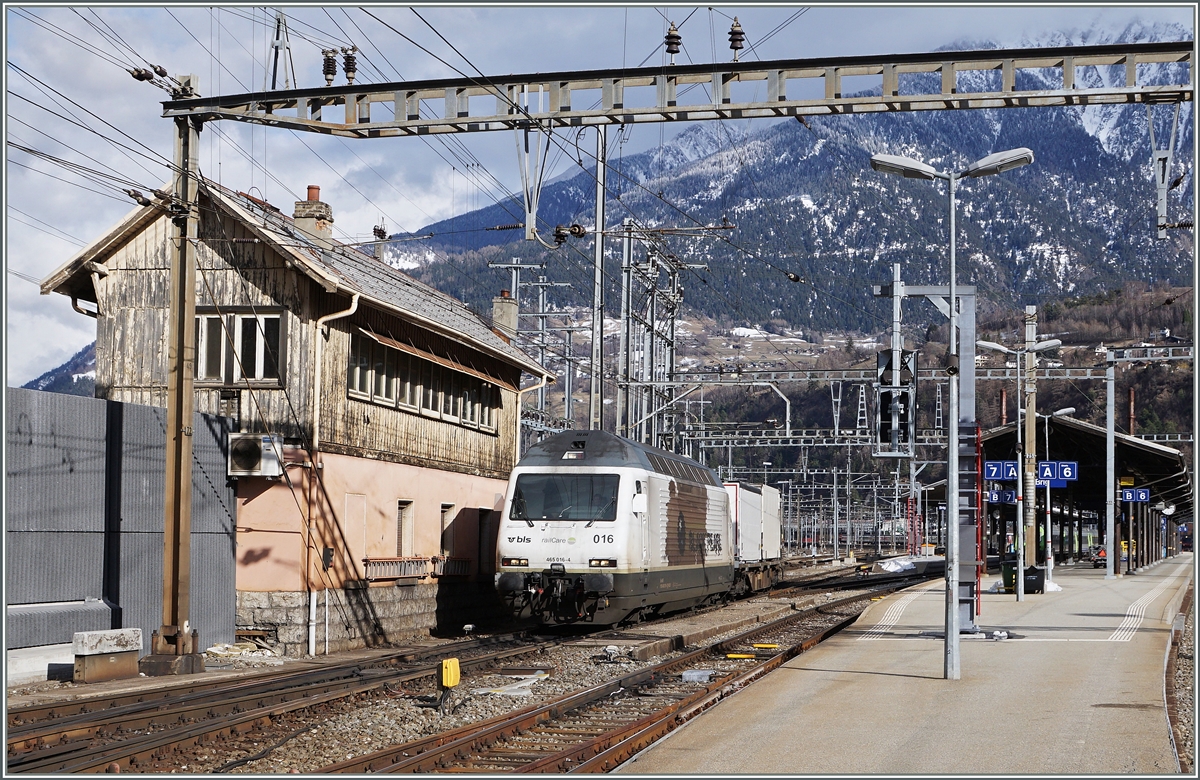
{"x": 913, "y": 169}
{"x": 766, "y": 465}
{"x": 1049, "y": 544}
{"x": 1019, "y": 529}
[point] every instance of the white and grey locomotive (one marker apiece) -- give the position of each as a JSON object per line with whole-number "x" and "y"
{"x": 601, "y": 529}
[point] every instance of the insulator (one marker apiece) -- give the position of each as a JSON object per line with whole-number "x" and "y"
{"x": 560, "y": 235}
{"x": 161, "y": 194}
{"x": 792, "y": 277}
{"x": 160, "y": 70}
{"x": 141, "y": 199}
{"x": 673, "y": 40}
{"x": 579, "y": 231}
{"x": 380, "y": 233}
{"x": 350, "y": 63}
{"x": 330, "y": 66}
{"x": 141, "y": 74}
{"x": 737, "y": 38}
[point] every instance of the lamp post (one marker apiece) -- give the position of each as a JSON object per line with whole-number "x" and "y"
{"x": 766, "y": 465}
{"x": 998, "y": 162}
{"x": 1049, "y": 544}
{"x": 1018, "y": 530}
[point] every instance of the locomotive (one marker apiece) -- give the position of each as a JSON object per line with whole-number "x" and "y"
{"x": 601, "y": 529}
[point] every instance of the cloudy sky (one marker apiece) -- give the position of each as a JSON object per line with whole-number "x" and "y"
{"x": 69, "y": 95}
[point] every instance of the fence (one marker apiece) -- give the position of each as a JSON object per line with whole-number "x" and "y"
{"x": 84, "y": 506}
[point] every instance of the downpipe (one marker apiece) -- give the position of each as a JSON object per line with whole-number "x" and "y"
{"x": 316, "y": 440}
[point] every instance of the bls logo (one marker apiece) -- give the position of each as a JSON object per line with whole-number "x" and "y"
{"x": 518, "y": 539}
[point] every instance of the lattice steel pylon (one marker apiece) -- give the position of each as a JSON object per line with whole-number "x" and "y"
{"x": 861, "y": 424}
{"x": 651, "y": 300}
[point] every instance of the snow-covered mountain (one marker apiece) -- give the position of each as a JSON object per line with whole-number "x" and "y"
{"x": 804, "y": 199}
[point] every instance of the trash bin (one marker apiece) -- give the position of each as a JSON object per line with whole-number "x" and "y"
{"x": 1009, "y": 572}
{"x": 1035, "y": 580}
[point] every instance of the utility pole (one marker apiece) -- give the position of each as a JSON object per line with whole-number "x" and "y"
{"x": 515, "y": 274}
{"x": 596, "y": 399}
{"x": 541, "y": 314}
{"x": 1029, "y": 471}
{"x": 175, "y": 646}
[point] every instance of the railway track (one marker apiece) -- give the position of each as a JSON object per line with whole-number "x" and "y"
{"x": 138, "y": 730}
{"x": 596, "y": 729}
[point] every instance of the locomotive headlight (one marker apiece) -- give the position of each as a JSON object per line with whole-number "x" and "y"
{"x": 603, "y": 563}
{"x": 514, "y": 561}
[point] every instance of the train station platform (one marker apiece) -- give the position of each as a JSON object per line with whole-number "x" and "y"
{"x": 1076, "y": 688}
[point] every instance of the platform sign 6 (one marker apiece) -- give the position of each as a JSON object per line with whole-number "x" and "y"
{"x": 1058, "y": 470}
{"x": 1136, "y": 495}
{"x": 1068, "y": 470}
{"x": 1000, "y": 470}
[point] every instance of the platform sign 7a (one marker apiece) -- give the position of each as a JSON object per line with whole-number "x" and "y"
{"x": 1000, "y": 470}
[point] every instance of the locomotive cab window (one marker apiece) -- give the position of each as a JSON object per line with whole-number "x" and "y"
{"x": 588, "y": 497}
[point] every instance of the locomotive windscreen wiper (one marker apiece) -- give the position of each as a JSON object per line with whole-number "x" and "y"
{"x": 600, "y": 511}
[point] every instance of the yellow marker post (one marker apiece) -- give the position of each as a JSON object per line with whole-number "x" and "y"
{"x": 450, "y": 677}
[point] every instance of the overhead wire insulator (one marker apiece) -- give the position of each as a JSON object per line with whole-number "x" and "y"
{"x": 160, "y": 70}
{"x": 672, "y": 40}
{"x": 737, "y": 38}
{"x": 350, "y": 63}
{"x": 329, "y": 68}
{"x": 141, "y": 74}
{"x": 578, "y": 231}
{"x": 141, "y": 199}
{"x": 380, "y": 233}
{"x": 560, "y": 235}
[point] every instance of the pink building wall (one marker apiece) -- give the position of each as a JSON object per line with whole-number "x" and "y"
{"x": 353, "y": 507}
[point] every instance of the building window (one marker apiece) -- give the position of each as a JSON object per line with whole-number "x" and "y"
{"x": 448, "y": 530}
{"x": 210, "y": 348}
{"x": 404, "y": 528}
{"x": 258, "y": 347}
{"x": 382, "y": 375}
{"x": 257, "y": 343}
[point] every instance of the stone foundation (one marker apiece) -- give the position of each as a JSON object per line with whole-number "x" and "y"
{"x": 369, "y": 617}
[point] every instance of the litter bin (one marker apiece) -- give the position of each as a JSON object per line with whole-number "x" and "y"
{"x": 1035, "y": 580}
{"x": 1009, "y": 572}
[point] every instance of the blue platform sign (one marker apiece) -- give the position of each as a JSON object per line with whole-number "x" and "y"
{"x": 1000, "y": 470}
{"x": 1057, "y": 471}
{"x": 1135, "y": 495}
{"x": 1002, "y": 496}
{"x": 1051, "y": 483}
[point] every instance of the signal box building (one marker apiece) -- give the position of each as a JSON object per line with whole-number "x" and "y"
{"x": 391, "y": 413}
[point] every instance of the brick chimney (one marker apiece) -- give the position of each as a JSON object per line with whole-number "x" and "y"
{"x": 504, "y": 316}
{"x": 314, "y": 218}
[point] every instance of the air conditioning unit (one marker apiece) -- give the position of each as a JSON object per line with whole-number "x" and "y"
{"x": 255, "y": 455}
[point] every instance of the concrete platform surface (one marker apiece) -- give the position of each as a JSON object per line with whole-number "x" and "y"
{"x": 1077, "y": 688}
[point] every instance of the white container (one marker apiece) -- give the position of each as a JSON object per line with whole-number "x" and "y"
{"x": 698, "y": 675}
{"x": 756, "y": 525}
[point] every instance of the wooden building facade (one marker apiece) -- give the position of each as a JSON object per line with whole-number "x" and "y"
{"x": 398, "y": 408}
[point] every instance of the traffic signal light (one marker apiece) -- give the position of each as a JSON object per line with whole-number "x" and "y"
{"x": 895, "y": 404}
